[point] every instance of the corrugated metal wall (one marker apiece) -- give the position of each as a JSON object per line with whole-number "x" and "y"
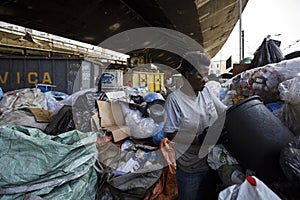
{"x": 68, "y": 75}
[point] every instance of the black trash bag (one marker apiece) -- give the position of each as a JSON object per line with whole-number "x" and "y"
{"x": 134, "y": 106}
{"x": 137, "y": 99}
{"x": 292, "y": 55}
{"x": 132, "y": 185}
{"x": 84, "y": 107}
{"x": 290, "y": 161}
{"x": 268, "y": 52}
{"x": 61, "y": 122}
{"x": 87, "y": 101}
{"x": 108, "y": 192}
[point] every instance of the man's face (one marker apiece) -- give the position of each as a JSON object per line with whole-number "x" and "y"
{"x": 197, "y": 81}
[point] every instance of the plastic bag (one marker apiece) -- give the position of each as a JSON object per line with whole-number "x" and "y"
{"x": 140, "y": 127}
{"x": 219, "y": 156}
{"x": 141, "y": 170}
{"x": 137, "y": 99}
{"x": 84, "y": 105}
{"x": 290, "y": 161}
{"x": 251, "y": 188}
{"x": 264, "y": 81}
{"x": 23, "y": 98}
{"x": 14, "y": 107}
{"x": 290, "y": 94}
{"x": 61, "y": 122}
{"x": 1, "y": 93}
{"x": 165, "y": 188}
{"x": 268, "y": 52}
{"x": 155, "y": 110}
{"x": 158, "y": 133}
{"x": 215, "y": 87}
{"x": 21, "y": 117}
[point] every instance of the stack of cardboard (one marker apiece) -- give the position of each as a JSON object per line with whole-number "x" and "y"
{"x": 110, "y": 118}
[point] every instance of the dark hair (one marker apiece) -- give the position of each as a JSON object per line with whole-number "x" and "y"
{"x": 193, "y": 62}
{"x": 185, "y": 67}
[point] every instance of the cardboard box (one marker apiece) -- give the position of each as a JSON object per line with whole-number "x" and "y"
{"x": 119, "y": 132}
{"x": 238, "y": 68}
{"x": 41, "y": 115}
{"x": 95, "y": 122}
{"x": 110, "y": 113}
{"x": 112, "y": 119}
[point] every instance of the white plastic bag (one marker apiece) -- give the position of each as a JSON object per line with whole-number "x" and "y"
{"x": 264, "y": 81}
{"x": 290, "y": 111}
{"x": 219, "y": 156}
{"x": 252, "y": 188}
{"x": 140, "y": 128}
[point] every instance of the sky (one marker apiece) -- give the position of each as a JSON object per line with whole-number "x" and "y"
{"x": 278, "y": 18}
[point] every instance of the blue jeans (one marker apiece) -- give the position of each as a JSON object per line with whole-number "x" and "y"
{"x": 194, "y": 186}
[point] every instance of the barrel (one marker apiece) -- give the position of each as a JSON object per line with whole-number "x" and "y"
{"x": 255, "y": 138}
